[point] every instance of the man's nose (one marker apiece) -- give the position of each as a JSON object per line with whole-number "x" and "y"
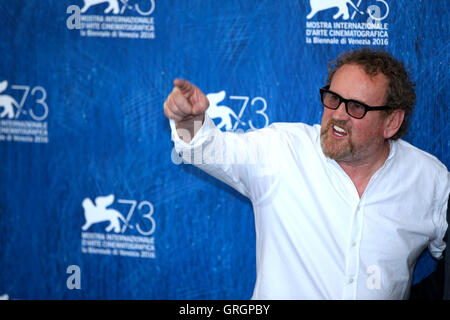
{"x": 340, "y": 113}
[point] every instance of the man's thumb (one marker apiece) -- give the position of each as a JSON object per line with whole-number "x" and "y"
{"x": 201, "y": 105}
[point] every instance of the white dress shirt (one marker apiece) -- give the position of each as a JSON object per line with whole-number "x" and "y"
{"x": 315, "y": 237}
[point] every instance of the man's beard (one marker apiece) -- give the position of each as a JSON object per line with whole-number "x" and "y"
{"x": 336, "y": 149}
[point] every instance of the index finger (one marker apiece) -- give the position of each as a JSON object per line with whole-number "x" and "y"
{"x": 185, "y": 86}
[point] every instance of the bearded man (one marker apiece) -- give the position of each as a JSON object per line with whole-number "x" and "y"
{"x": 343, "y": 209}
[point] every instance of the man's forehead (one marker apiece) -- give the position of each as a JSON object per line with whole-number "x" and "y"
{"x": 353, "y": 82}
{"x": 368, "y": 70}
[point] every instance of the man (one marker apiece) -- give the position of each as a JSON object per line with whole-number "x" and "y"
{"x": 342, "y": 209}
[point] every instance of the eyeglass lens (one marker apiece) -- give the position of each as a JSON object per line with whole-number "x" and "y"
{"x": 333, "y": 101}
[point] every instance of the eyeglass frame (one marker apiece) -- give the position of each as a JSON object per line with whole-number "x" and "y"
{"x": 346, "y": 101}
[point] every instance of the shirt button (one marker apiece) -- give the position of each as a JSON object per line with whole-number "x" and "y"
{"x": 353, "y": 243}
{"x": 350, "y": 280}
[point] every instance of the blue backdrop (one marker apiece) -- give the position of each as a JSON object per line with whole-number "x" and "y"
{"x": 92, "y": 203}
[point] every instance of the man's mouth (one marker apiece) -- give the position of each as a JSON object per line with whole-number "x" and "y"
{"x": 338, "y": 131}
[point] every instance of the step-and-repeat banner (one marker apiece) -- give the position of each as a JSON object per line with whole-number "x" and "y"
{"x": 94, "y": 203}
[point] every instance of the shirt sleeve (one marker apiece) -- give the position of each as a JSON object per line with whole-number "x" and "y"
{"x": 243, "y": 161}
{"x": 437, "y": 245}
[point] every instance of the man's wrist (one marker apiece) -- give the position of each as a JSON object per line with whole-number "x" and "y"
{"x": 188, "y": 128}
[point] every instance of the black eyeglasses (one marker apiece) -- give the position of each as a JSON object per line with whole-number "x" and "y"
{"x": 354, "y": 108}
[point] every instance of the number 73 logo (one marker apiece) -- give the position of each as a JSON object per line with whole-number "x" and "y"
{"x": 99, "y": 210}
{"x": 227, "y": 116}
{"x": 13, "y": 109}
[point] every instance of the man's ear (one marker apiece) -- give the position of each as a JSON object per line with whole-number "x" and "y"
{"x": 393, "y": 123}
